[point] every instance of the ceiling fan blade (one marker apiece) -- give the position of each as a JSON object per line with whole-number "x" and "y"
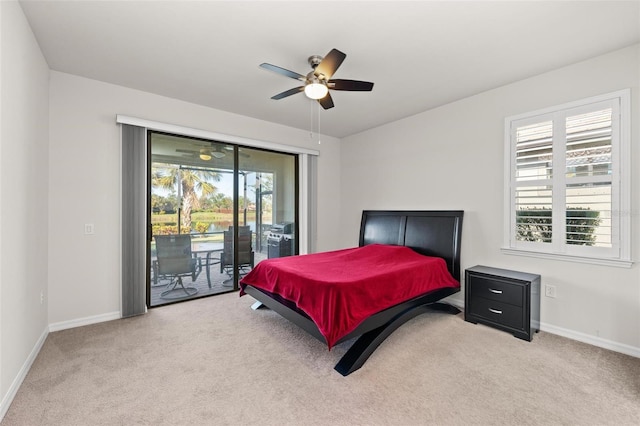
{"x": 326, "y": 102}
{"x": 352, "y": 85}
{"x": 283, "y": 71}
{"x": 329, "y": 64}
{"x": 288, "y": 93}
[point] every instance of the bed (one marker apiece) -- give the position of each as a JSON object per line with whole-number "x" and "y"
{"x": 418, "y": 238}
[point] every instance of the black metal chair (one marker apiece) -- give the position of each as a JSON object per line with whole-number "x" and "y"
{"x": 176, "y": 261}
{"x": 245, "y": 251}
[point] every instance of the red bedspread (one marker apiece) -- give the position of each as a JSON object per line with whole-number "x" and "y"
{"x": 339, "y": 289}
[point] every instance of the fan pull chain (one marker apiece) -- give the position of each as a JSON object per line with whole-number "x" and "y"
{"x": 312, "y": 103}
{"x": 311, "y": 121}
{"x": 319, "y": 142}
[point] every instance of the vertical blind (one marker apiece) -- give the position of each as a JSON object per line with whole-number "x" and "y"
{"x": 134, "y": 247}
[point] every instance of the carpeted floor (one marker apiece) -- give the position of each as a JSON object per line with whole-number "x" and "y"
{"x": 215, "y": 361}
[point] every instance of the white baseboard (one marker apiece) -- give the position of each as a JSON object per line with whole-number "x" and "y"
{"x": 63, "y": 325}
{"x": 592, "y": 340}
{"x": 573, "y": 335}
{"x": 13, "y": 389}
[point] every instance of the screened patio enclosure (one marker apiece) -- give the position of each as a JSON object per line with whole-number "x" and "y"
{"x": 226, "y": 199}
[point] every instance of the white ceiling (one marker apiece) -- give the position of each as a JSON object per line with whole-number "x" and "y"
{"x": 419, "y": 54}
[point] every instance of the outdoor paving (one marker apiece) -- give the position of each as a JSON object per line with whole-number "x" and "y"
{"x": 220, "y": 283}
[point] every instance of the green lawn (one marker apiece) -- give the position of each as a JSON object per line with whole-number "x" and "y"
{"x": 203, "y": 217}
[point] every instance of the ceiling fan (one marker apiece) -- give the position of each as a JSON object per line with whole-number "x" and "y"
{"x": 318, "y": 82}
{"x": 206, "y": 153}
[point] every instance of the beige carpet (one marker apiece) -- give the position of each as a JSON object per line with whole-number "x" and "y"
{"x": 215, "y": 361}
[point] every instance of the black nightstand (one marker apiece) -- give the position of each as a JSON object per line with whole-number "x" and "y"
{"x": 504, "y": 299}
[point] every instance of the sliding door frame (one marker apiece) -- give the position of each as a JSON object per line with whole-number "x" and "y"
{"x": 305, "y": 205}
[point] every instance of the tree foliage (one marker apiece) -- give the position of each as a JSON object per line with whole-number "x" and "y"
{"x": 192, "y": 182}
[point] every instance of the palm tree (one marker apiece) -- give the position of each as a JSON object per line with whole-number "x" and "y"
{"x": 191, "y": 180}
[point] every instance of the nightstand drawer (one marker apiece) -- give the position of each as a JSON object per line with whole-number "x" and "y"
{"x": 498, "y": 290}
{"x": 497, "y": 312}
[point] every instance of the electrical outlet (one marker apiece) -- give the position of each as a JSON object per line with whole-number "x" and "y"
{"x": 41, "y": 297}
{"x": 550, "y": 290}
{"x": 88, "y": 229}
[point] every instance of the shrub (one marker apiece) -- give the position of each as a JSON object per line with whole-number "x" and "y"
{"x": 581, "y": 224}
{"x": 535, "y": 225}
{"x": 169, "y": 229}
{"x": 202, "y": 227}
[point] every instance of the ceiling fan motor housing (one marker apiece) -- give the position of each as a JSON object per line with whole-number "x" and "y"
{"x": 314, "y": 60}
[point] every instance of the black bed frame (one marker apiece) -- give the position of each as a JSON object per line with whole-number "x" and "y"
{"x": 433, "y": 233}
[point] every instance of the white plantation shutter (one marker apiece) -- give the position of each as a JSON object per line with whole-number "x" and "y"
{"x": 588, "y": 174}
{"x": 533, "y": 179}
{"x": 566, "y": 188}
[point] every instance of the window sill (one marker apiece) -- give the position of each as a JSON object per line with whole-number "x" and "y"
{"x": 618, "y": 263}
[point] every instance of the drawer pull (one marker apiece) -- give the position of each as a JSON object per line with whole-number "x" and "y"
{"x": 495, "y": 311}
{"x": 495, "y": 291}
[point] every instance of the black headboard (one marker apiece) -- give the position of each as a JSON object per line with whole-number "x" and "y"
{"x": 429, "y": 232}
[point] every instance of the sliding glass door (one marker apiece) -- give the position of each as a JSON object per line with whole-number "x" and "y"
{"x": 269, "y": 200}
{"x": 215, "y": 211}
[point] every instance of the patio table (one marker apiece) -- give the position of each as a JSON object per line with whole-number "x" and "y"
{"x": 208, "y": 249}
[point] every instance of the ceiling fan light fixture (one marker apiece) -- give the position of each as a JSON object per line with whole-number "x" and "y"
{"x": 205, "y": 155}
{"x": 218, "y": 154}
{"x": 316, "y": 90}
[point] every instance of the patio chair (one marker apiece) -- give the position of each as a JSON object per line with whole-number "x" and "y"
{"x": 176, "y": 261}
{"x": 245, "y": 251}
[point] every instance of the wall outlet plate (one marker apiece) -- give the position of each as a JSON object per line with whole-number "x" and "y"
{"x": 550, "y": 290}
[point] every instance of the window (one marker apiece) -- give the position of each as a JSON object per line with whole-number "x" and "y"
{"x": 568, "y": 190}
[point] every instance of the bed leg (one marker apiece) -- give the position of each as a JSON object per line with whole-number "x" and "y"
{"x": 359, "y": 352}
{"x": 367, "y": 343}
{"x": 444, "y": 307}
{"x": 257, "y": 305}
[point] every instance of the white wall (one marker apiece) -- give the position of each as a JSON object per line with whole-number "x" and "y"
{"x": 24, "y": 169}
{"x": 452, "y": 157}
{"x": 60, "y": 169}
{"x": 84, "y": 184}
